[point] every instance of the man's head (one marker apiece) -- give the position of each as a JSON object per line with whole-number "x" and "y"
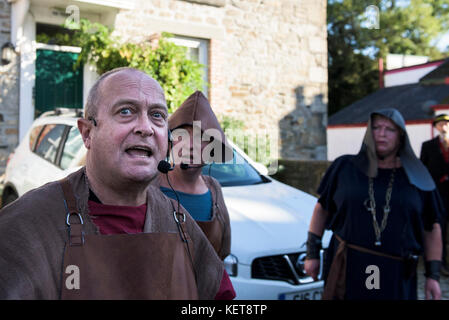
{"x": 125, "y": 127}
{"x": 188, "y": 146}
{"x": 387, "y": 136}
{"x": 196, "y": 114}
{"x": 441, "y": 123}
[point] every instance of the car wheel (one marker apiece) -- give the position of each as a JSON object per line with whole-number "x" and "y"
{"x": 8, "y": 199}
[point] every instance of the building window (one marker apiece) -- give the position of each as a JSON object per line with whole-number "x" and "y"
{"x": 198, "y": 51}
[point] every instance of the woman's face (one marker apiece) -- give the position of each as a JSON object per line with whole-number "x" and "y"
{"x": 387, "y": 136}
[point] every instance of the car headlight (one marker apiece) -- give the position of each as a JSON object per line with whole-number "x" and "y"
{"x": 231, "y": 265}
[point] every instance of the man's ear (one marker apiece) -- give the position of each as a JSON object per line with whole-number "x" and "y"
{"x": 85, "y": 127}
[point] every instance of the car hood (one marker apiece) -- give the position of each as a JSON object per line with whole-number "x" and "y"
{"x": 268, "y": 219}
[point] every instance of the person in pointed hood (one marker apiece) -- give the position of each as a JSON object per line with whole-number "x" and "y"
{"x": 198, "y": 140}
{"x": 196, "y": 113}
{"x": 435, "y": 156}
{"x": 384, "y": 212}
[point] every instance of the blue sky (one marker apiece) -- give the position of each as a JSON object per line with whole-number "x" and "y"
{"x": 443, "y": 43}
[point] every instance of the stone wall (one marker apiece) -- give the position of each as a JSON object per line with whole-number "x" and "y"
{"x": 267, "y": 65}
{"x": 304, "y": 175}
{"x": 268, "y": 62}
{"x": 9, "y": 91}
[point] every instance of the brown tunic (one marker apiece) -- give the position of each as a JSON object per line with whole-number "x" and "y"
{"x": 33, "y": 234}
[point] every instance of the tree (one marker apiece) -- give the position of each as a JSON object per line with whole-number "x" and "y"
{"x": 163, "y": 60}
{"x": 405, "y": 27}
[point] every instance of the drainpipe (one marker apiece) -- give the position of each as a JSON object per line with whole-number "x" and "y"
{"x": 381, "y": 73}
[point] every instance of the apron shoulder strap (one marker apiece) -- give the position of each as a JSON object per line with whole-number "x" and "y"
{"x": 75, "y": 228}
{"x": 180, "y": 219}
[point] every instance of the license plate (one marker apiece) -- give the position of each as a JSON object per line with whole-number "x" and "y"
{"x": 314, "y": 294}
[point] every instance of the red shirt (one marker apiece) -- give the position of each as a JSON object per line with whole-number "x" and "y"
{"x": 444, "y": 151}
{"x": 117, "y": 219}
{"x": 127, "y": 219}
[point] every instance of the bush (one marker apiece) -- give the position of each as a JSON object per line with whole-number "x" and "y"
{"x": 166, "y": 62}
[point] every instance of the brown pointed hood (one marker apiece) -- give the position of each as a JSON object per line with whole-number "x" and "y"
{"x": 196, "y": 110}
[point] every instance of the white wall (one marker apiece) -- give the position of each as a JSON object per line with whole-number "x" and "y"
{"x": 395, "y": 61}
{"x": 418, "y": 133}
{"x": 441, "y": 111}
{"x": 406, "y": 76}
{"x": 342, "y": 141}
{"x": 348, "y": 140}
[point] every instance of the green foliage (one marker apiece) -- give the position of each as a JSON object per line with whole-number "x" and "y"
{"x": 62, "y": 39}
{"x": 230, "y": 123}
{"x": 406, "y": 27}
{"x": 165, "y": 62}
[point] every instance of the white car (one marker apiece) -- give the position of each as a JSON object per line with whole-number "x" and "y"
{"x": 269, "y": 220}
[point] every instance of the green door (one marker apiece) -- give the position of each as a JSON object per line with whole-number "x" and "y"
{"x": 57, "y": 84}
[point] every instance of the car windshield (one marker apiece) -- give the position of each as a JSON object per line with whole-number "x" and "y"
{"x": 237, "y": 173}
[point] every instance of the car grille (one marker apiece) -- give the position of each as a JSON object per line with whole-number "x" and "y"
{"x": 281, "y": 268}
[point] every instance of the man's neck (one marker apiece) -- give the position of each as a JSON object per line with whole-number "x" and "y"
{"x": 445, "y": 140}
{"x": 135, "y": 194}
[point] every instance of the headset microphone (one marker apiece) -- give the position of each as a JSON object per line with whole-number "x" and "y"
{"x": 185, "y": 166}
{"x": 164, "y": 166}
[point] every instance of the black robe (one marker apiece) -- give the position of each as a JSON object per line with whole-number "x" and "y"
{"x": 433, "y": 159}
{"x": 343, "y": 192}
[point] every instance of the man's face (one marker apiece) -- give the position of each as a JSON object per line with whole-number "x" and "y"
{"x": 188, "y": 145}
{"x": 386, "y": 136}
{"x": 443, "y": 128}
{"x": 131, "y": 136}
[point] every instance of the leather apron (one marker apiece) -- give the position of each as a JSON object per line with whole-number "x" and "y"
{"x": 213, "y": 229}
{"x": 125, "y": 266}
{"x": 335, "y": 287}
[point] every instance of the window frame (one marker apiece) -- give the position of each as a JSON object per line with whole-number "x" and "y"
{"x": 62, "y": 147}
{"x": 33, "y": 147}
{"x": 203, "y": 46}
{"x": 57, "y": 160}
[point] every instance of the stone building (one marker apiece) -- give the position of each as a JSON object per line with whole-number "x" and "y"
{"x": 9, "y": 90}
{"x": 266, "y": 60}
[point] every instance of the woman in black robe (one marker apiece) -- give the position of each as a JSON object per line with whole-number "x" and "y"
{"x": 376, "y": 258}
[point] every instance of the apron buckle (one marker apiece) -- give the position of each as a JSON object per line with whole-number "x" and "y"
{"x": 183, "y": 215}
{"x": 76, "y": 233}
{"x": 68, "y": 218}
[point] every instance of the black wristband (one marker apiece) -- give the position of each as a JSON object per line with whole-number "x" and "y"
{"x": 313, "y": 246}
{"x": 433, "y": 269}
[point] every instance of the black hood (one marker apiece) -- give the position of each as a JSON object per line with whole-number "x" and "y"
{"x": 366, "y": 159}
